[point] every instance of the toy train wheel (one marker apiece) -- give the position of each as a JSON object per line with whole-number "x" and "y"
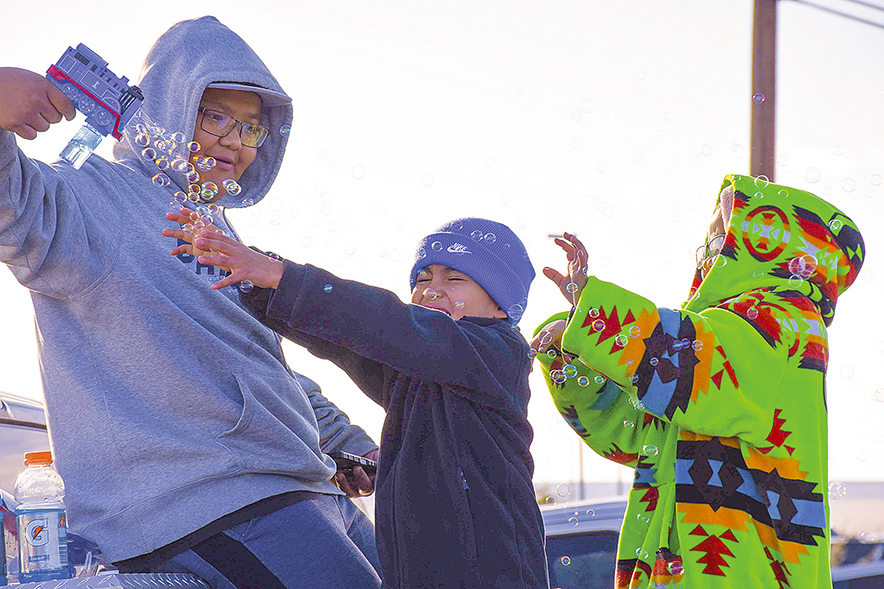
{"x": 86, "y": 105}
{"x": 71, "y": 91}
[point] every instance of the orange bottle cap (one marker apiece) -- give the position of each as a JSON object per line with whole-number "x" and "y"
{"x": 38, "y": 458}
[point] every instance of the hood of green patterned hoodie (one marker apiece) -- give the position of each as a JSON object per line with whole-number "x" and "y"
{"x": 785, "y": 239}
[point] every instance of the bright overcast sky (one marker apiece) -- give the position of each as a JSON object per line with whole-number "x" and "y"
{"x": 613, "y": 120}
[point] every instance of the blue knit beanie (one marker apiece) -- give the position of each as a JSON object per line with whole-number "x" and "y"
{"x": 486, "y": 251}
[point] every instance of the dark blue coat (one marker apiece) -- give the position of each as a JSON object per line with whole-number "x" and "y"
{"x": 455, "y": 503}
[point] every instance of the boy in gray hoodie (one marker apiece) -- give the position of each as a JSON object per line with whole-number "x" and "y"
{"x": 183, "y": 437}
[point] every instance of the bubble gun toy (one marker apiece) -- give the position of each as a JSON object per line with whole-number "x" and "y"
{"x": 108, "y": 102}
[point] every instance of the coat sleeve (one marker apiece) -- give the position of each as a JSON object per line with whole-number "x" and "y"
{"x": 370, "y": 376}
{"x": 335, "y": 430}
{"x": 716, "y": 372}
{"x": 424, "y": 344}
{"x": 52, "y": 236}
{"x": 596, "y": 408}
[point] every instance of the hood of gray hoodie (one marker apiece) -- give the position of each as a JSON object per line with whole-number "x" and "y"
{"x": 178, "y": 68}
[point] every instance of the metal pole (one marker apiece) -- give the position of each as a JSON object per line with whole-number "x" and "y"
{"x": 764, "y": 45}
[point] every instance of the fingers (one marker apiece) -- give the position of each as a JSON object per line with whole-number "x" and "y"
{"x": 61, "y": 105}
{"x": 356, "y": 485}
{"x": 570, "y": 249}
{"x": 553, "y": 275}
{"x": 364, "y": 484}
{"x": 573, "y": 239}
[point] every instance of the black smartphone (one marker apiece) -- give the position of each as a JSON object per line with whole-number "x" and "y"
{"x": 346, "y": 461}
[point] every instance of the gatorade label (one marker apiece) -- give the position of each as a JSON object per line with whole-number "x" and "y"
{"x": 43, "y": 541}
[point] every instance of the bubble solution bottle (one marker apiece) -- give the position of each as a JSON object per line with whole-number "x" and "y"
{"x": 41, "y": 520}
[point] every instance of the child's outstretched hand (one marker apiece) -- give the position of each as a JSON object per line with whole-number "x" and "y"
{"x": 184, "y": 218}
{"x": 571, "y": 284}
{"x": 210, "y": 246}
{"x": 29, "y": 103}
{"x": 550, "y": 338}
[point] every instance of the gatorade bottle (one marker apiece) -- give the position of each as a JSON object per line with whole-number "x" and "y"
{"x": 41, "y": 521}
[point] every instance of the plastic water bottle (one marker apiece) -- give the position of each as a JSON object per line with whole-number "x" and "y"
{"x": 41, "y": 520}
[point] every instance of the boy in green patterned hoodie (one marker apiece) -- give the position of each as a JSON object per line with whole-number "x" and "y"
{"x": 720, "y": 406}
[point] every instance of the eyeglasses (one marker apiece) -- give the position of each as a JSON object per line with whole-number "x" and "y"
{"x": 221, "y": 124}
{"x": 710, "y": 250}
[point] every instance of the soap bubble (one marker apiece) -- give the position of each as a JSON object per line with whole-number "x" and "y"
{"x": 358, "y": 171}
{"x": 327, "y": 288}
{"x": 621, "y": 340}
{"x": 179, "y": 164}
{"x": 583, "y": 381}
{"x": 551, "y": 354}
{"x": 675, "y": 568}
{"x": 628, "y": 424}
{"x": 285, "y": 130}
{"x": 758, "y": 98}
{"x": 599, "y": 379}
{"x": 557, "y": 376}
{"x": 148, "y": 153}
{"x": 515, "y": 311}
{"x": 570, "y": 370}
{"x": 142, "y": 140}
{"x": 437, "y": 246}
{"x": 762, "y": 181}
{"x": 490, "y": 238}
{"x": 161, "y": 180}
{"x": 563, "y": 490}
{"x": 476, "y": 235}
{"x": 232, "y": 187}
{"x": 427, "y": 180}
{"x": 545, "y": 338}
{"x": 246, "y": 286}
{"x": 572, "y": 287}
{"x": 194, "y": 146}
{"x": 837, "y": 490}
{"x": 598, "y": 325}
{"x": 803, "y": 266}
{"x": 635, "y": 331}
{"x": 161, "y": 162}
{"x": 430, "y": 294}
{"x": 650, "y": 450}
{"x": 459, "y": 304}
{"x": 210, "y": 186}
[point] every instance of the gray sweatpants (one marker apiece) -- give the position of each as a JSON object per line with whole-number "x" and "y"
{"x": 318, "y": 543}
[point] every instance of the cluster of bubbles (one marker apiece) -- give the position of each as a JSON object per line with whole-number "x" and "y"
{"x": 170, "y": 150}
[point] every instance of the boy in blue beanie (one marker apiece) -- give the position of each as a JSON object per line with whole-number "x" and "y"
{"x": 455, "y": 500}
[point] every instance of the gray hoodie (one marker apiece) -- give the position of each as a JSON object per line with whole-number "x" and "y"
{"x": 169, "y": 405}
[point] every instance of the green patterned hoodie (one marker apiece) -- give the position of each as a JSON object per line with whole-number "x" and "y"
{"x": 720, "y": 406}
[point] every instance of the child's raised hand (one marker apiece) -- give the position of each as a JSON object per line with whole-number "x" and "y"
{"x": 29, "y": 103}
{"x": 243, "y": 263}
{"x": 549, "y": 338}
{"x": 185, "y": 217}
{"x": 571, "y": 284}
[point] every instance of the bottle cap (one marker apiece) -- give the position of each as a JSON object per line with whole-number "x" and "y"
{"x": 38, "y": 458}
